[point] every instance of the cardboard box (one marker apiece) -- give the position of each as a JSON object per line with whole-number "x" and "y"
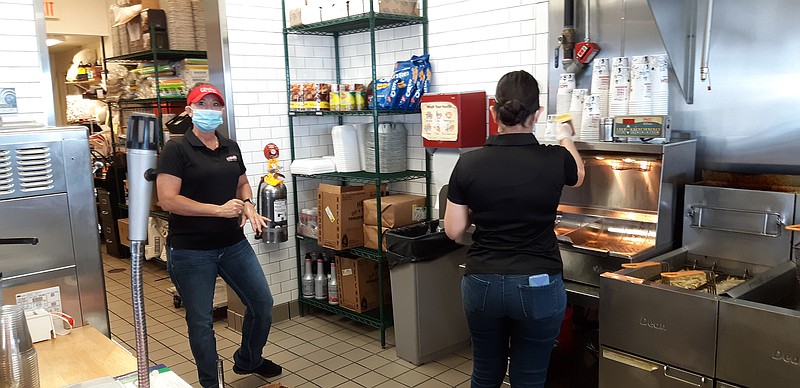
{"x": 122, "y": 228}
{"x": 397, "y": 7}
{"x": 371, "y": 236}
{"x": 235, "y": 310}
{"x": 396, "y": 210}
{"x": 358, "y": 284}
{"x": 341, "y": 215}
{"x": 154, "y": 4}
{"x": 306, "y": 14}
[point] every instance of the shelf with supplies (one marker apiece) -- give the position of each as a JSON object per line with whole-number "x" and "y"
{"x": 351, "y": 112}
{"x": 356, "y": 23}
{"x": 158, "y": 54}
{"x": 379, "y": 317}
{"x": 366, "y": 253}
{"x": 369, "y": 177}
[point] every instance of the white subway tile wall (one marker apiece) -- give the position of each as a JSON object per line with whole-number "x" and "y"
{"x": 20, "y": 66}
{"x": 472, "y": 43}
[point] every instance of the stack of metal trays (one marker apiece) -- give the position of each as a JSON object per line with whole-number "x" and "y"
{"x": 392, "y": 143}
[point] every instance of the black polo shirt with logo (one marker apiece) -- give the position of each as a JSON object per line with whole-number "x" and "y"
{"x": 512, "y": 186}
{"x": 208, "y": 177}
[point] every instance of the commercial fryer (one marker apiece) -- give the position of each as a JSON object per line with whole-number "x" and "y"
{"x": 656, "y": 334}
{"x": 625, "y": 211}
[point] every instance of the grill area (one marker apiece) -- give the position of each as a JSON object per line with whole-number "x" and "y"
{"x": 624, "y": 212}
{"x": 656, "y": 333}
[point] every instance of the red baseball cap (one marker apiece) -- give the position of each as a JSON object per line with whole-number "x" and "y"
{"x": 199, "y": 92}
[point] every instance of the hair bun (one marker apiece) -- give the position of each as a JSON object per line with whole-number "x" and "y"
{"x": 512, "y": 112}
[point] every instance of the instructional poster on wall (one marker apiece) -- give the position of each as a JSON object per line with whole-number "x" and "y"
{"x": 8, "y": 100}
{"x": 45, "y": 298}
{"x": 439, "y": 121}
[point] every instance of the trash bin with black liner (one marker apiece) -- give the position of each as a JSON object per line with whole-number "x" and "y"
{"x": 429, "y": 320}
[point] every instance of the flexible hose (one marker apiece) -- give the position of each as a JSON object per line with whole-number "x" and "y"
{"x": 140, "y": 325}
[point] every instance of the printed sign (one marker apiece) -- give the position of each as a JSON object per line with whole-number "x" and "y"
{"x": 8, "y": 100}
{"x": 50, "y": 10}
{"x": 439, "y": 121}
{"x": 46, "y": 298}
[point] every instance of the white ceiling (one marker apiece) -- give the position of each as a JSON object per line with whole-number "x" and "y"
{"x": 75, "y": 41}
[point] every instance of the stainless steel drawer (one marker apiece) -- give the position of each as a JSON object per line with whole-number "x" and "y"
{"x": 619, "y": 369}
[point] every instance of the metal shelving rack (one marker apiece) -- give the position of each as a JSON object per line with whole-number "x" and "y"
{"x": 158, "y": 103}
{"x": 371, "y": 21}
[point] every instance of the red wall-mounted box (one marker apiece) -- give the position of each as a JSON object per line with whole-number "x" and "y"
{"x": 454, "y": 120}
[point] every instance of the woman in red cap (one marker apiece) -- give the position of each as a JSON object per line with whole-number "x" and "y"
{"x": 202, "y": 183}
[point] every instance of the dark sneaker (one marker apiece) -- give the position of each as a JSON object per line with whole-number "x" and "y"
{"x": 267, "y": 369}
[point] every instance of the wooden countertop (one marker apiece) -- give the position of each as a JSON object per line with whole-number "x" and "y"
{"x": 84, "y": 354}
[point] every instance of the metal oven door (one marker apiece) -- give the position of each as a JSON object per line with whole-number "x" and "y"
{"x": 35, "y": 235}
{"x": 620, "y": 369}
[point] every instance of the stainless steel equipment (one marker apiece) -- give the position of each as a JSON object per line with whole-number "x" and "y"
{"x": 48, "y": 233}
{"x": 672, "y": 332}
{"x": 144, "y": 137}
{"x": 625, "y": 210}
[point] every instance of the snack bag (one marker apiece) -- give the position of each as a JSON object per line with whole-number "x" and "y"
{"x": 422, "y": 70}
{"x": 401, "y": 81}
{"x": 381, "y": 97}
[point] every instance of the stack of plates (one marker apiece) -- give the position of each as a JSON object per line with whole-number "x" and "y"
{"x": 392, "y": 145}
{"x": 576, "y": 109}
{"x": 590, "y": 122}
{"x": 619, "y": 91}
{"x": 566, "y": 83}
{"x": 180, "y": 24}
{"x": 345, "y": 148}
{"x": 659, "y": 75}
{"x": 601, "y": 82}
{"x": 199, "y": 12}
{"x": 641, "y": 98}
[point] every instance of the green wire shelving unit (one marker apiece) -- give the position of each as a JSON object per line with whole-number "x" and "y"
{"x": 370, "y": 22}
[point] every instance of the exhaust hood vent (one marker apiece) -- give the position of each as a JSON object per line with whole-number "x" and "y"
{"x": 677, "y": 24}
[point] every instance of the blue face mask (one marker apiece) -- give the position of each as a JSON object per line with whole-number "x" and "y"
{"x": 207, "y": 120}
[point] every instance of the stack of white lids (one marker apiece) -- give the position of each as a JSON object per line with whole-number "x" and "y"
{"x": 313, "y": 166}
{"x": 345, "y": 148}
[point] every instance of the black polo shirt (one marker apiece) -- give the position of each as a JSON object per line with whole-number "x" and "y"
{"x": 513, "y": 185}
{"x": 209, "y": 177}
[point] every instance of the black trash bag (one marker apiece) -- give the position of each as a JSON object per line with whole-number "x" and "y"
{"x": 179, "y": 124}
{"x": 418, "y": 242}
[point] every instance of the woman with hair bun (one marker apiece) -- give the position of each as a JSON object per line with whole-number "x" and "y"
{"x": 512, "y": 291}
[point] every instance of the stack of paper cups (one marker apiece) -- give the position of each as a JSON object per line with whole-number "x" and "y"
{"x": 576, "y": 108}
{"x": 641, "y": 98}
{"x": 601, "y": 82}
{"x": 590, "y": 122}
{"x": 619, "y": 91}
{"x": 566, "y": 83}
{"x": 550, "y": 129}
{"x": 659, "y": 76}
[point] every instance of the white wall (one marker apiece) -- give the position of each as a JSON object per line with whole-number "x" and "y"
{"x": 472, "y": 44}
{"x": 20, "y": 62}
{"x": 79, "y": 17}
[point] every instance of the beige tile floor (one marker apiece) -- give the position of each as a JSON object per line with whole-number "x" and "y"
{"x": 316, "y": 350}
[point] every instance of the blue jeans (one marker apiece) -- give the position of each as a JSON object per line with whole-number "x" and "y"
{"x": 194, "y": 273}
{"x": 507, "y": 318}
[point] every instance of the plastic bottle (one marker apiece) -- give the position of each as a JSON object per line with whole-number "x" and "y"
{"x": 320, "y": 282}
{"x": 333, "y": 286}
{"x": 308, "y": 280}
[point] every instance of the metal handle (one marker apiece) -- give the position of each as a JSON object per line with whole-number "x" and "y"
{"x": 13, "y": 241}
{"x": 630, "y": 360}
{"x": 769, "y": 223}
{"x": 692, "y": 383}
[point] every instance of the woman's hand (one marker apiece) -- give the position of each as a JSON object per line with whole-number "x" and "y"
{"x": 231, "y": 209}
{"x": 257, "y": 221}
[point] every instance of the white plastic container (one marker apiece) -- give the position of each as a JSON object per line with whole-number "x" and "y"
{"x": 345, "y": 148}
